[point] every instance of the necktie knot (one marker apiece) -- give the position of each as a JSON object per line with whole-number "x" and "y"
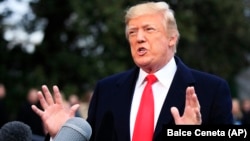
{"x": 151, "y": 78}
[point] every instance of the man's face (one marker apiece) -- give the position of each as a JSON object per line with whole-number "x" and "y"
{"x": 151, "y": 46}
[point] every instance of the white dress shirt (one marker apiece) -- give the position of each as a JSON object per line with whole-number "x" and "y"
{"x": 160, "y": 90}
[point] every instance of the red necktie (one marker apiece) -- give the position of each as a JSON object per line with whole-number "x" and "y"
{"x": 144, "y": 124}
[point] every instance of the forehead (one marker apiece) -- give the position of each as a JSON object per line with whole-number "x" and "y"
{"x": 147, "y": 19}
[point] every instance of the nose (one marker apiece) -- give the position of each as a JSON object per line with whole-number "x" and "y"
{"x": 140, "y": 36}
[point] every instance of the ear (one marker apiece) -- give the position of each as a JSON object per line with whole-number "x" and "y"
{"x": 172, "y": 40}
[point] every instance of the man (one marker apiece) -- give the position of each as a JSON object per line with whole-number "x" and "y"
{"x": 181, "y": 95}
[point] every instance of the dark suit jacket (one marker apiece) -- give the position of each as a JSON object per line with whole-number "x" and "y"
{"x": 109, "y": 111}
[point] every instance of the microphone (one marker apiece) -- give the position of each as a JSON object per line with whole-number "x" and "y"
{"x": 75, "y": 129}
{"x": 15, "y": 131}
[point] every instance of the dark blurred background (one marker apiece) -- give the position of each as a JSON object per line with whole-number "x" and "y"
{"x": 73, "y": 43}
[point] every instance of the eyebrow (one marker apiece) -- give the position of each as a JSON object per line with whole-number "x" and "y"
{"x": 144, "y": 26}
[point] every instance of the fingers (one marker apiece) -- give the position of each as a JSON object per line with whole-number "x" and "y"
{"x": 47, "y": 94}
{"x": 73, "y": 109}
{"x": 37, "y": 110}
{"x": 191, "y": 98}
{"x": 191, "y": 113}
{"x": 196, "y": 107}
{"x": 193, "y": 102}
{"x": 58, "y": 96}
{"x": 42, "y": 100}
{"x": 46, "y": 99}
{"x": 189, "y": 92}
{"x": 175, "y": 113}
{"x": 198, "y": 117}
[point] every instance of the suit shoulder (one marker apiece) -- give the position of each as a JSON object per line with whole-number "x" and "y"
{"x": 120, "y": 75}
{"x": 202, "y": 75}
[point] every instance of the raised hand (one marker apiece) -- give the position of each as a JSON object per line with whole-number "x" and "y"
{"x": 54, "y": 114}
{"x": 191, "y": 115}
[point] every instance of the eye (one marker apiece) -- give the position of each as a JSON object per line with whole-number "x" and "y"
{"x": 150, "y": 29}
{"x": 131, "y": 32}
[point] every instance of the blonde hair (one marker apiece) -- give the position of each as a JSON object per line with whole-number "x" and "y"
{"x": 154, "y": 7}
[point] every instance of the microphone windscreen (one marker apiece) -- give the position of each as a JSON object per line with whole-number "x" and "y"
{"x": 75, "y": 129}
{"x": 15, "y": 131}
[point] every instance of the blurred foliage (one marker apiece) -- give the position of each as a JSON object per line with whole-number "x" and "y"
{"x": 85, "y": 41}
{"x": 214, "y": 36}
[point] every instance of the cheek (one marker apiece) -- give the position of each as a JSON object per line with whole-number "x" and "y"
{"x": 159, "y": 44}
{"x": 132, "y": 50}
{"x": 132, "y": 45}
{"x": 159, "y": 52}
{"x": 161, "y": 48}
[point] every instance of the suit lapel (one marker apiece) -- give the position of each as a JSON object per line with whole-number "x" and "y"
{"x": 124, "y": 90}
{"x": 175, "y": 96}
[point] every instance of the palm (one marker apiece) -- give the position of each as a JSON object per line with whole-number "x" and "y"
{"x": 191, "y": 113}
{"x": 54, "y": 113}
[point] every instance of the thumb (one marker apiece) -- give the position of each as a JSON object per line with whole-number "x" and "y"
{"x": 175, "y": 114}
{"x": 73, "y": 109}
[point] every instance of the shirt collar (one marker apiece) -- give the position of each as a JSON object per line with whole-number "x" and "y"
{"x": 162, "y": 75}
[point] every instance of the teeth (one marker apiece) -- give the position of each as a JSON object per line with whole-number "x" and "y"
{"x": 141, "y": 49}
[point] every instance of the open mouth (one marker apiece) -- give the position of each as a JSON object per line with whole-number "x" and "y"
{"x": 141, "y": 51}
